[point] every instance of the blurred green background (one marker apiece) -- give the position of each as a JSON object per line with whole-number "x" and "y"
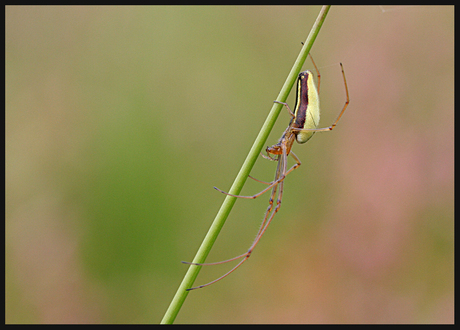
{"x": 120, "y": 120}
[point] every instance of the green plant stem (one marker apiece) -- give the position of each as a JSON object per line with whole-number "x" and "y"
{"x": 242, "y": 176}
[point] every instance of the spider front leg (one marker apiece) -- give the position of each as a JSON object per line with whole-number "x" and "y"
{"x": 275, "y": 182}
{"x": 287, "y": 107}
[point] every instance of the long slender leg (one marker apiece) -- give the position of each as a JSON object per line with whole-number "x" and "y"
{"x": 214, "y": 263}
{"x": 256, "y": 195}
{"x": 225, "y": 275}
{"x": 274, "y": 189}
{"x": 317, "y": 71}
{"x": 247, "y": 254}
{"x": 267, "y": 223}
{"x": 271, "y": 184}
{"x": 259, "y": 180}
{"x": 287, "y": 107}
{"x": 280, "y": 171}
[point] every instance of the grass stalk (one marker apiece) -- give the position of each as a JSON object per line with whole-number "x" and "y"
{"x": 242, "y": 176}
